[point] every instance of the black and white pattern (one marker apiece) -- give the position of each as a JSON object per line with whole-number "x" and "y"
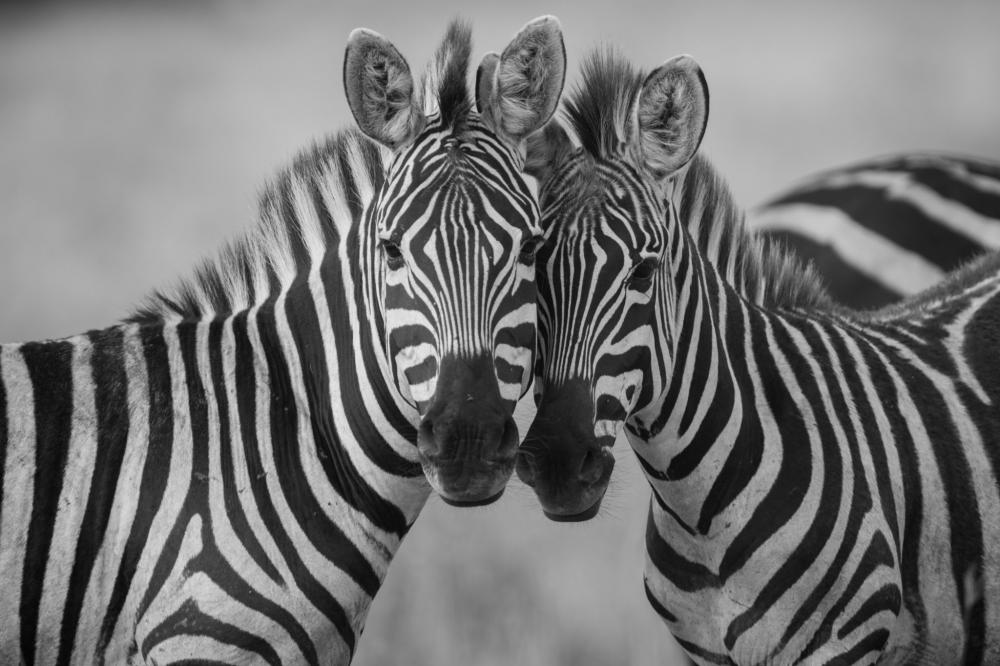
{"x": 825, "y": 482}
{"x": 887, "y": 228}
{"x": 225, "y": 477}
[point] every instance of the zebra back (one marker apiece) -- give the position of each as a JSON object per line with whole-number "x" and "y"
{"x": 886, "y": 228}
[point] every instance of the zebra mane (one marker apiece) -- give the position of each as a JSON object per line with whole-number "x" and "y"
{"x": 599, "y": 112}
{"x": 445, "y": 83}
{"x": 762, "y": 269}
{"x": 599, "y": 106}
{"x": 302, "y": 212}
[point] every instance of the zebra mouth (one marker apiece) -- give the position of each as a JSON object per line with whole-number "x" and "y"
{"x": 586, "y": 514}
{"x": 477, "y": 502}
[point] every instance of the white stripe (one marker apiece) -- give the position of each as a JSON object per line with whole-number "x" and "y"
{"x": 866, "y": 252}
{"x": 79, "y": 470}
{"x": 303, "y": 546}
{"x": 948, "y": 212}
{"x": 18, "y": 491}
{"x": 229, "y": 546}
{"x": 126, "y": 498}
{"x": 178, "y": 481}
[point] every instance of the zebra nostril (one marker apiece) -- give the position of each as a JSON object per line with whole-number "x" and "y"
{"x": 590, "y": 466}
{"x": 426, "y": 443}
{"x": 525, "y": 470}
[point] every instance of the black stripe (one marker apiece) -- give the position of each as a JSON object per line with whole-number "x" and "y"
{"x": 325, "y": 535}
{"x": 898, "y": 221}
{"x": 872, "y": 644}
{"x": 719, "y": 412}
{"x": 189, "y": 620}
{"x": 952, "y": 187}
{"x": 196, "y": 501}
{"x": 860, "y": 494}
{"x": 744, "y": 459}
{"x": 878, "y": 553}
{"x": 872, "y": 437}
{"x": 913, "y": 509}
{"x": 844, "y": 281}
{"x": 230, "y": 492}
{"x": 886, "y": 598}
{"x": 687, "y": 324}
{"x": 703, "y": 654}
{"x": 791, "y": 482}
{"x": 50, "y": 369}
{"x": 154, "y": 474}
{"x": 340, "y": 470}
{"x": 686, "y": 574}
{"x": 216, "y": 568}
{"x": 702, "y": 352}
{"x": 982, "y": 342}
{"x": 660, "y": 609}
{"x": 965, "y": 525}
{"x": 111, "y": 403}
{"x": 782, "y": 498}
{"x": 356, "y": 406}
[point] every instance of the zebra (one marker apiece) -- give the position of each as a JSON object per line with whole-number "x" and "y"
{"x": 824, "y": 480}
{"x": 227, "y": 474}
{"x": 888, "y": 227}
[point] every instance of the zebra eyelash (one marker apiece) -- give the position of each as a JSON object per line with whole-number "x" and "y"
{"x": 529, "y": 250}
{"x": 392, "y": 253}
{"x": 641, "y": 275}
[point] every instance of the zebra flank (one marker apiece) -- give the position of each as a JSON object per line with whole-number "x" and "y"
{"x": 225, "y": 476}
{"x": 884, "y": 229}
{"x": 825, "y": 481}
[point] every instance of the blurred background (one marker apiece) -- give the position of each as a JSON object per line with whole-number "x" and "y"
{"x": 134, "y": 139}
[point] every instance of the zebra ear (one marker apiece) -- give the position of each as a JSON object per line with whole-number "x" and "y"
{"x": 670, "y": 115}
{"x": 546, "y": 149}
{"x": 518, "y": 91}
{"x": 379, "y": 90}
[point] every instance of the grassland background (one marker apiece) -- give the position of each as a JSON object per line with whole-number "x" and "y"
{"x": 134, "y": 138}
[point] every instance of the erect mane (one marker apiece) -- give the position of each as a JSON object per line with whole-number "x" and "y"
{"x": 598, "y": 107}
{"x": 324, "y": 183}
{"x": 764, "y": 271}
{"x": 446, "y": 87}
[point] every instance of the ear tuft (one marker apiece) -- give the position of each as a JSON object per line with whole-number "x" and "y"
{"x": 519, "y": 92}
{"x": 671, "y": 115}
{"x": 379, "y": 88}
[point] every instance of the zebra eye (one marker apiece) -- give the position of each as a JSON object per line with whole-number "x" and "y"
{"x": 642, "y": 274}
{"x": 528, "y": 250}
{"x": 393, "y": 255}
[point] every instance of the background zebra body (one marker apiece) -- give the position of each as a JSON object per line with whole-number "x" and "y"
{"x": 886, "y": 228}
{"x": 823, "y": 481}
{"x": 227, "y": 476}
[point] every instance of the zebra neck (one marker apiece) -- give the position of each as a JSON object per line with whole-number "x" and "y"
{"x": 321, "y": 360}
{"x": 682, "y": 437}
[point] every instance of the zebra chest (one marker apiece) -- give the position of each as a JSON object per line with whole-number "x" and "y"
{"x": 772, "y": 606}
{"x": 207, "y": 600}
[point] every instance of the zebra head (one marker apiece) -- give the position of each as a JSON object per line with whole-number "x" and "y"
{"x": 453, "y": 233}
{"x": 604, "y": 270}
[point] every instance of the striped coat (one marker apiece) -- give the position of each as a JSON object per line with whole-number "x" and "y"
{"x": 226, "y": 476}
{"x": 823, "y": 480}
{"x": 883, "y": 229}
